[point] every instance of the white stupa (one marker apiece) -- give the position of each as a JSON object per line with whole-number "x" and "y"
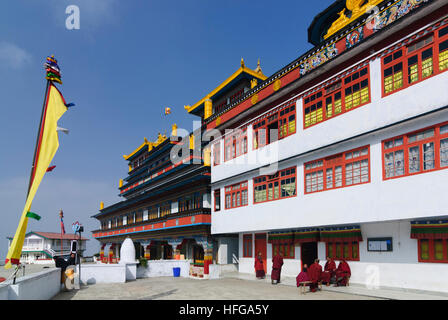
{"x": 127, "y": 251}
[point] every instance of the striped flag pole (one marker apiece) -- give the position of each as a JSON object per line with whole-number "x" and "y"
{"x": 61, "y": 215}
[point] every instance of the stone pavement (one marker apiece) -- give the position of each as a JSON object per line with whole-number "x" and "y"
{"x": 170, "y": 288}
{"x": 235, "y": 286}
{"x": 358, "y": 290}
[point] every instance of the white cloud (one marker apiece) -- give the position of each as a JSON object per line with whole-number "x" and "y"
{"x": 12, "y": 56}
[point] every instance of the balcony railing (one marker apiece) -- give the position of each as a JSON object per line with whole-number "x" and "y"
{"x": 158, "y": 219}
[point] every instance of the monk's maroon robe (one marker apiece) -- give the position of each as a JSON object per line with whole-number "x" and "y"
{"x": 259, "y": 268}
{"x": 343, "y": 273}
{"x": 302, "y": 277}
{"x": 329, "y": 271}
{"x": 315, "y": 273}
{"x": 277, "y": 263}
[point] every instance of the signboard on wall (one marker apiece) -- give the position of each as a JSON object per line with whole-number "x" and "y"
{"x": 379, "y": 244}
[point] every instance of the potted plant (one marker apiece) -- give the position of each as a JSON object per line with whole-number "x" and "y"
{"x": 143, "y": 262}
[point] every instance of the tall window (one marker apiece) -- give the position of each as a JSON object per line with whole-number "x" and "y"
{"x": 340, "y": 170}
{"x": 217, "y": 199}
{"x": 274, "y": 126}
{"x": 339, "y": 97}
{"x": 235, "y": 144}
{"x": 216, "y": 154}
{"x": 276, "y": 186}
{"x": 247, "y": 246}
{"x": 415, "y": 62}
{"x": 236, "y": 195}
{"x": 416, "y": 152}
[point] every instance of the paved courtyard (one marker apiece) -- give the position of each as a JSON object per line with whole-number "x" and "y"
{"x": 169, "y": 288}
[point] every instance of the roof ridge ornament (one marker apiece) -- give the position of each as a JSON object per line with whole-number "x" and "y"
{"x": 258, "y": 68}
{"x": 355, "y": 10}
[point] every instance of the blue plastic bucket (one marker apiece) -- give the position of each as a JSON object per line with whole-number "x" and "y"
{"x": 176, "y": 272}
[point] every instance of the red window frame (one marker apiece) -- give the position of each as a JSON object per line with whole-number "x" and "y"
{"x": 349, "y": 93}
{"x": 247, "y": 246}
{"x": 432, "y": 250}
{"x": 411, "y": 58}
{"x": 273, "y": 185}
{"x": 216, "y": 153}
{"x": 235, "y": 144}
{"x": 217, "y": 200}
{"x": 352, "y": 250}
{"x": 407, "y": 146}
{"x": 287, "y": 250}
{"x": 285, "y": 121}
{"x": 234, "y": 195}
{"x": 332, "y": 177}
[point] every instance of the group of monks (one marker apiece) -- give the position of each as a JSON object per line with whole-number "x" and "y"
{"x": 312, "y": 275}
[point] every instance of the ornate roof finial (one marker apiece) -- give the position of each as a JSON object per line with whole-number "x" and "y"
{"x": 242, "y": 62}
{"x": 258, "y": 69}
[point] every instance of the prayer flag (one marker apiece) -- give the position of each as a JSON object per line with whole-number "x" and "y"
{"x": 47, "y": 146}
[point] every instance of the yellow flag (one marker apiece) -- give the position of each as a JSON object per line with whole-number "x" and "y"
{"x": 48, "y": 145}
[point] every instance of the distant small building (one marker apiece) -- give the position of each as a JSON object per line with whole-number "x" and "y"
{"x": 40, "y": 247}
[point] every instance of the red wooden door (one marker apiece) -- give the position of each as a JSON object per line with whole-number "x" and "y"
{"x": 260, "y": 246}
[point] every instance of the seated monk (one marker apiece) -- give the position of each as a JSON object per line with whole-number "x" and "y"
{"x": 303, "y": 276}
{"x": 343, "y": 273}
{"x": 315, "y": 274}
{"x": 329, "y": 271}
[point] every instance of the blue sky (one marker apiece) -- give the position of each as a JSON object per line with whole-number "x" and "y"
{"x": 127, "y": 62}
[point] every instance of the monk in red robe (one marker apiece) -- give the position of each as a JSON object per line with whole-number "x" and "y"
{"x": 343, "y": 273}
{"x": 329, "y": 271}
{"x": 259, "y": 268}
{"x": 303, "y": 276}
{"x": 277, "y": 263}
{"x": 315, "y": 274}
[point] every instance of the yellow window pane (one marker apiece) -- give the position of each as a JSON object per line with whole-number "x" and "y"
{"x": 355, "y": 250}
{"x": 413, "y": 73}
{"x": 338, "y": 250}
{"x": 443, "y": 60}
{"x": 348, "y": 102}
{"x": 307, "y": 120}
{"x": 337, "y": 106}
{"x": 398, "y": 80}
{"x": 292, "y": 126}
{"x": 426, "y": 68}
{"x": 356, "y": 99}
{"x": 424, "y": 249}
{"x": 319, "y": 115}
{"x": 438, "y": 249}
{"x": 313, "y": 117}
{"x": 329, "y": 110}
{"x": 346, "y": 251}
{"x": 388, "y": 84}
{"x": 364, "y": 95}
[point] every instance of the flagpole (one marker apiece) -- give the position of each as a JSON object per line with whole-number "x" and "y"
{"x": 61, "y": 215}
{"x": 38, "y": 137}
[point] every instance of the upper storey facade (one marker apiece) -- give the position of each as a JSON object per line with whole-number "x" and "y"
{"x": 353, "y": 38}
{"x": 380, "y": 73}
